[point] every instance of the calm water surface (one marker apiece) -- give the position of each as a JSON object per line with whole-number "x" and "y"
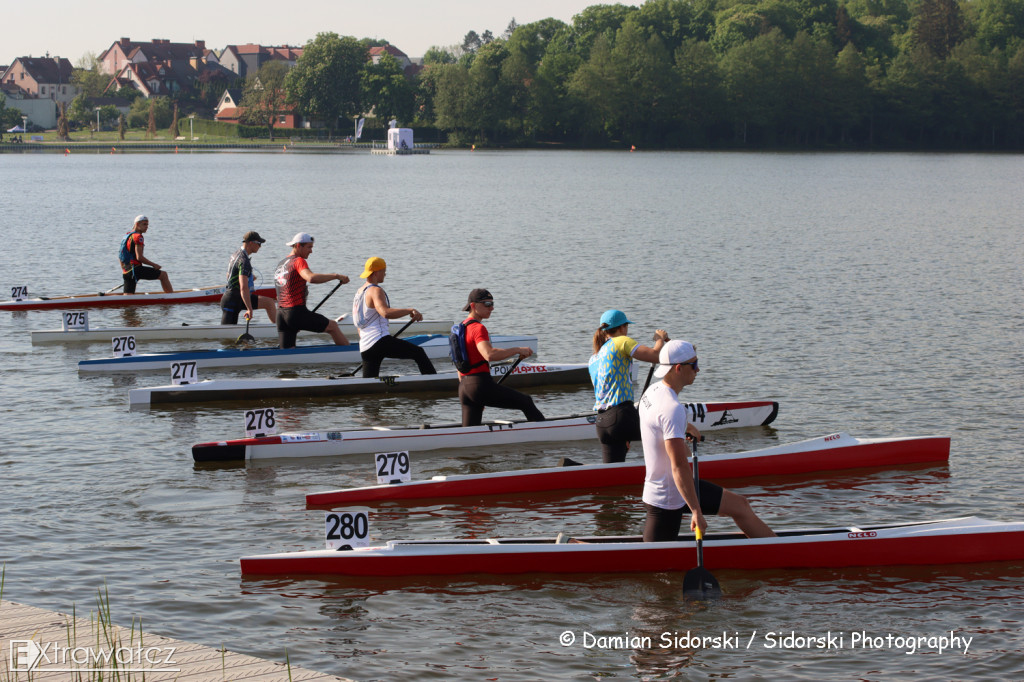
{"x": 879, "y": 295}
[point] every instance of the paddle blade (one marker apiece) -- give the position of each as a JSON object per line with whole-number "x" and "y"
{"x": 700, "y": 584}
{"x": 245, "y": 338}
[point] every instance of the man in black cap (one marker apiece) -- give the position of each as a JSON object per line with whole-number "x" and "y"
{"x": 476, "y": 387}
{"x": 239, "y": 294}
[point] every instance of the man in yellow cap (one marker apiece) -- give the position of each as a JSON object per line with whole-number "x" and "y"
{"x": 371, "y": 311}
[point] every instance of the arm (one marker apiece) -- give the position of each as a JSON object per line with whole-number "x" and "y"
{"x": 314, "y": 278}
{"x": 678, "y": 453}
{"x": 492, "y": 354}
{"x": 378, "y": 302}
{"x": 648, "y": 354}
{"x": 243, "y": 288}
{"x": 139, "y": 246}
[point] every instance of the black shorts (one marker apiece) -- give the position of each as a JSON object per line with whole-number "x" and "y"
{"x": 137, "y": 273}
{"x": 231, "y": 305}
{"x": 617, "y": 427}
{"x": 663, "y": 524}
{"x": 290, "y": 321}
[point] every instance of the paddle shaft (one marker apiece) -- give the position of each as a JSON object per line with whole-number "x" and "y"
{"x": 395, "y": 335}
{"x": 511, "y": 369}
{"x": 110, "y": 291}
{"x": 696, "y": 486}
{"x": 327, "y": 297}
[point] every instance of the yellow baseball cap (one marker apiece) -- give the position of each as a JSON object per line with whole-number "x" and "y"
{"x": 373, "y": 265}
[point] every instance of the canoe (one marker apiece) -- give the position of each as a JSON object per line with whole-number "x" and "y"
{"x": 947, "y": 541}
{"x": 104, "y": 300}
{"x": 184, "y": 332}
{"x": 436, "y": 346}
{"x": 713, "y": 416}
{"x": 829, "y": 453}
{"x": 524, "y": 375}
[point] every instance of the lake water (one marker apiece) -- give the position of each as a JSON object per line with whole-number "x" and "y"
{"x": 880, "y": 295}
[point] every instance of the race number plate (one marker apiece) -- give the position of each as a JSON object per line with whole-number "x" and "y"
{"x": 392, "y": 467}
{"x": 260, "y": 422}
{"x": 184, "y": 373}
{"x": 19, "y": 293}
{"x": 124, "y": 346}
{"x": 347, "y": 527}
{"x": 76, "y": 320}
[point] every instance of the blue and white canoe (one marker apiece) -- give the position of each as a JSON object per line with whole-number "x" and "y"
{"x": 435, "y": 345}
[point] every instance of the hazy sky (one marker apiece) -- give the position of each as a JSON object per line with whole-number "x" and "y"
{"x": 70, "y": 28}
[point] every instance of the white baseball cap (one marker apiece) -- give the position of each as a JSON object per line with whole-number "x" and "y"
{"x": 673, "y": 353}
{"x": 140, "y": 219}
{"x": 301, "y": 238}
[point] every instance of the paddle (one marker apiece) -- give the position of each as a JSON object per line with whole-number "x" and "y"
{"x": 395, "y": 335}
{"x": 327, "y": 297}
{"x": 511, "y": 369}
{"x": 698, "y": 582}
{"x": 110, "y": 291}
{"x": 246, "y": 337}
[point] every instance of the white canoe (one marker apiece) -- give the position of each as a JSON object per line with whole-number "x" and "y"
{"x": 116, "y": 299}
{"x": 226, "y": 332}
{"x": 435, "y": 345}
{"x": 524, "y": 375}
{"x": 707, "y": 417}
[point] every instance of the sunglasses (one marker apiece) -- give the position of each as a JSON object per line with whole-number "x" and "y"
{"x": 693, "y": 365}
{"x": 486, "y": 304}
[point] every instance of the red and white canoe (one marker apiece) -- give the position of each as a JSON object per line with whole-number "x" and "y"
{"x": 828, "y": 453}
{"x": 947, "y": 541}
{"x": 199, "y": 295}
{"x": 707, "y": 417}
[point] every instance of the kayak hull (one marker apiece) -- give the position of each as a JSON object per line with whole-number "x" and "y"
{"x": 211, "y": 332}
{"x": 713, "y": 416}
{"x": 524, "y": 376}
{"x": 435, "y": 345}
{"x": 114, "y": 300}
{"x": 829, "y": 453}
{"x": 948, "y": 541}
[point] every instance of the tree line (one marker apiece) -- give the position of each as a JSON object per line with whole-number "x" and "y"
{"x": 852, "y": 74}
{"x": 732, "y": 74}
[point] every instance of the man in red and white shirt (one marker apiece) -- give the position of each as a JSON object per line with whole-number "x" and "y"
{"x": 292, "y": 277}
{"x": 476, "y": 388}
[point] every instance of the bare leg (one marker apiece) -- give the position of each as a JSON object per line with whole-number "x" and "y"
{"x": 165, "y": 282}
{"x": 335, "y": 331}
{"x": 737, "y": 507}
{"x": 268, "y": 305}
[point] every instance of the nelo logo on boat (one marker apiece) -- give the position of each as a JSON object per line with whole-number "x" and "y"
{"x": 862, "y": 534}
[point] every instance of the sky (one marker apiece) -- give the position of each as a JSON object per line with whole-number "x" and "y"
{"x": 71, "y": 28}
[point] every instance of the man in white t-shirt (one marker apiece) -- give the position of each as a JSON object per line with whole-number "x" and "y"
{"x": 668, "y": 486}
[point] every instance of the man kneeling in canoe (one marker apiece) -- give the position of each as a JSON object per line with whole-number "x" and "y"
{"x": 371, "y": 310}
{"x": 292, "y": 278}
{"x": 669, "y": 491}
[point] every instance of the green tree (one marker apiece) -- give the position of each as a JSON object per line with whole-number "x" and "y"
{"x": 386, "y": 90}
{"x": 324, "y": 83}
{"x": 264, "y": 96}
{"x": 938, "y": 25}
{"x": 701, "y": 96}
{"x": 598, "y": 20}
{"x": 138, "y": 114}
{"x": 9, "y": 117}
{"x": 997, "y": 23}
{"x": 87, "y": 77}
{"x": 754, "y": 74}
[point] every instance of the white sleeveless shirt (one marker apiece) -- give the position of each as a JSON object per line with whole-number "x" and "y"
{"x": 372, "y": 326}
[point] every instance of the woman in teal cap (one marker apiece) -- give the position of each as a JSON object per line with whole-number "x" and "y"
{"x": 611, "y": 367}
